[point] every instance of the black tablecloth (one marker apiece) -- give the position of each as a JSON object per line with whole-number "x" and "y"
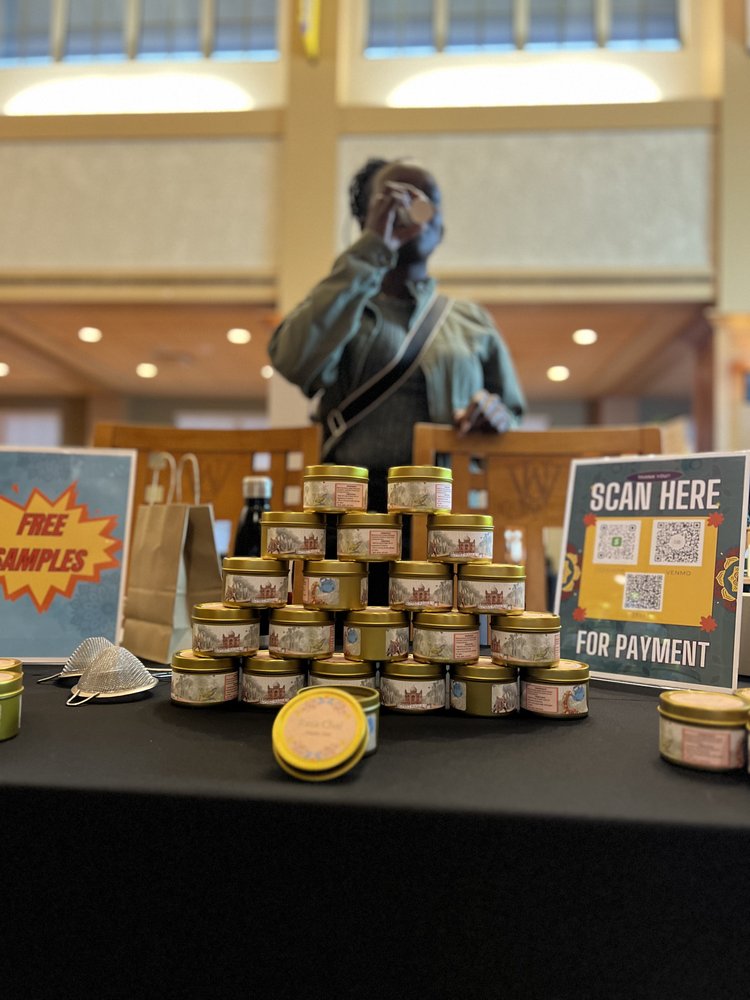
{"x": 146, "y": 843}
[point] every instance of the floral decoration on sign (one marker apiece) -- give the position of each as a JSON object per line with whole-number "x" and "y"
{"x": 727, "y": 579}
{"x": 708, "y": 624}
{"x": 579, "y": 614}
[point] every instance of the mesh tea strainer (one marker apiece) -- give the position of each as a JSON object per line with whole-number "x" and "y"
{"x": 115, "y": 673}
{"x": 81, "y": 657}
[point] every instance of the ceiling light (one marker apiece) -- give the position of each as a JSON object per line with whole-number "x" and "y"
{"x": 146, "y": 370}
{"x": 558, "y": 373}
{"x": 4, "y": 369}
{"x": 585, "y": 337}
{"x": 90, "y": 334}
{"x": 238, "y": 335}
{"x": 266, "y": 371}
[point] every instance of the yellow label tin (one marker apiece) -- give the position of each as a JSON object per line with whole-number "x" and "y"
{"x": 320, "y": 734}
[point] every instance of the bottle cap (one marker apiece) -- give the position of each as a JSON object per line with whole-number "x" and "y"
{"x": 256, "y": 487}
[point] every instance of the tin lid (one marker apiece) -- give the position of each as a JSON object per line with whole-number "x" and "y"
{"x": 416, "y": 569}
{"x": 445, "y": 619}
{"x": 710, "y": 708}
{"x": 369, "y": 698}
{"x": 253, "y": 564}
{"x": 216, "y": 611}
{"x": 563, "y": 670}
{"x": 448, "y": 521}
{"x": 264, "y": 663}
{"x": 377, "y": 616}
{"x": 370, "y": 519}
{"x": 527, "y": 621}
{"x": 336, "y": 472}
{"x": 411, "y": 669}
{"x": 11, "y": 682}
{"x": 492, "y": 571}
{"x": 256, "y": 487}
{"x": 483, "y": 670}
{"x": 338, "y": 666}
{"x": 743, "y": 693}
{"x": 420, "y": 472}
{"x": 334, "y": 567}
{"x": 186, "y": 659}
{"x": 292, "y": 518}
{"x": 321, "y": 733}
{"x": 295, "y": 614}
{"x": 11, "y": 663}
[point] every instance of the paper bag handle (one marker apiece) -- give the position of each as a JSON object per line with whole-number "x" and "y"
{"x": 188, "y": 459}
{"x": 154, "y": 493}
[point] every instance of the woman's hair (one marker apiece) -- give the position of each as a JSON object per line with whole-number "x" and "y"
{"x": 359, "y": 188}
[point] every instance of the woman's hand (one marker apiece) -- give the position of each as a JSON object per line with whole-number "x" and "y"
{"x": 485, "y": 412}
{"x": 388, "y": 214}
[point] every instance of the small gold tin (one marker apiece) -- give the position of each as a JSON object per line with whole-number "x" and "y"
{"x": 459, "y": 538}
{"x": 269, "y": 681}
{"x": 333, "y": 585}
{"x": 445, "y": 637}
{"x": 335, "y": 489}
{"x": 413, "y": 686}
{"x": 379, "y": 634}
{"x": 491, "y": 588}
{"x": 706, "y": 730}
{"x": 300, "y": 633}
{"x": 369, "y": 537}
{"x": 250, "y": 582}
{"x": 11, "y": 697}
{"x": 420, "y": 489}
{"x": 420, "y": 586}
{"x": 320, "y": 734}
{"x": 529, "y": 639}
{"x": 292, "y": 535}
{"x": 220, "y": 630}
{"x": 560, "y": 691}
{"x": 203, "y": 681}
{"x": 337, "y": 670}
{"x": 484, "y": 688}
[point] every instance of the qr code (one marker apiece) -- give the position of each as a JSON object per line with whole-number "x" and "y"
{"x": 643, "y": 591}
{"x": 617, "y": 542}
{"x": 677, "y": 542}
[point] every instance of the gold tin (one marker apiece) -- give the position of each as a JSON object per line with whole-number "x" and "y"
{"x": 320, "y": 734}
{"x": 420, "y": 489}
{"x": 219, "y": 630}
{"x": 202, "y": 681}
{"x": 369, "y": 537}
{"x": 491, "y": 588}
{"x": 333, "y": 585}
{"x": 412, "y": 686}
{"x": 529, "y": 639}
{"x": 705, "y": 730}
{"x": 337, "y": 671}
{"x": 420, "y": 586}
{"x": 560, "y": 691}
{"x": 445, "y": 637}
{"x": 460, "y": 538}
{"x": 269, "y": 681}
{"x": 335, "y": 489}
{"x": 11, "y": 697}
{"x": 376, "y": 634}
{"x": 11, "y": 664}
{"x": 484, "y": 688}
{"x": 250, "y": 582}
{"x": 292, "y": 535}
{"x": 300, "y": 633}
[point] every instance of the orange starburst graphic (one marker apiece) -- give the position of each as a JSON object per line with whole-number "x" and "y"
{"x": 708, "y": 624}
{"x": 47, "y": 547}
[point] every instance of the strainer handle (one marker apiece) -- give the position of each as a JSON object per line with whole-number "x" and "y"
{"x": 52, "y": 677}
{"x": 75, "y": 704}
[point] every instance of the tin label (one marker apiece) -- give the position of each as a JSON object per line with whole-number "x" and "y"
{"x": 283, "y": 542}
{"x": 485, "y": 597}
{"x": 301, "y": 640}
{"x": 525, "y": 647}
{"x": 554, "y": 699}
{"x": 420, "y": 495}
{"x": 396, "y": 641}
{"x": 372, "y": 732}
{"x": 446, "y": 647}
{"x": 274, "y": 690}
{"x": 228, "y": 639}
{"x": 412, "y": 695}
{"x": 710, "y": 748}
{"x": 255, "y": 591}
{"x": 504, "y": 698}
{"x": 459, "y": 546}
{"x": 333, "y": 493}
{"x": 414, "y": 595}
{"x": 458, "y": 695}
{"x": 352, "y": 641}
{"x": 322, "y": 591}
{"x": 204, "y": 689}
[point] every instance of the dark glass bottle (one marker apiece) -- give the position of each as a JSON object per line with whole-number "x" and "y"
{"x": 257, "y": 493}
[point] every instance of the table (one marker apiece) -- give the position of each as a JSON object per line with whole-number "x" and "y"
{"x": 524, "y": 857}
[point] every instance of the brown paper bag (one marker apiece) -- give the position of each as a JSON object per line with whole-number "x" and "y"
{"x": 173, "y": 565}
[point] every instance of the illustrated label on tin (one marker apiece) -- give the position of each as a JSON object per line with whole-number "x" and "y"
{"x": 255, "y": 591}
{"x": 485, "y": 597}
{"x": 236, "y": 639}
{"x": 273, "y": 690}
{"x": 446, "y": 647}
{"x": 458, "y": 695}
{"x": 504, "y": 698}
{"x": 301, "y": 640}
{"x": 363, "y": 543}
{"x": 416, "y": 594}
{"x": 412, "y": 695}
{"x": 698, "y": 746}
{"x": 459, "y": 546}
{"x": 372, "y": 732}
{"x": 554, "y": 699}
{"x": 322, "y": 591}
{"x": 204, "y": 689}
{"x": 352, "y": 641}
{"x": 283, "y": 542}
{"x": 420, "y": 495}
{"x": 339, "y": 681}
{"x": 328, "y": 493}
{"x": 525, "y": 647}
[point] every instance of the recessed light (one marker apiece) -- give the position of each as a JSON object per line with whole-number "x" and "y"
{"x": 4, "y": 369}
{"x": 238, "y": 335}
{"x": 558, "y": 373}
{"x": 146, "y": 370}
{"x": 266, "y": 371}
{"x": 585, "y": 337}
{"x": 90, "y": 334}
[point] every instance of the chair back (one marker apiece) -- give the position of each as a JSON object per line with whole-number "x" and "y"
{"x": 521, "y": 479}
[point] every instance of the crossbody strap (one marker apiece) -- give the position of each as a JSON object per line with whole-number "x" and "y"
{"x": 384, "y": 383}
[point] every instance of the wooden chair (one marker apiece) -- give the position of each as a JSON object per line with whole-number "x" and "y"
{"x": 521, "y": 479}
